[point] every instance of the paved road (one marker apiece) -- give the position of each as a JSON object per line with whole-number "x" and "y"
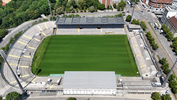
{"x": 19, "y": 28}
{"x": 162, "y": 49}
{"x": 58, "y": 96}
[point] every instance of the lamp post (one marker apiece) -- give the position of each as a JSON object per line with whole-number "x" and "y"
{"x": 50, "y": 10}
{"x": 166, "y": 79}
{"x": 4, "y": 56}
{"x": 133, "y": 11}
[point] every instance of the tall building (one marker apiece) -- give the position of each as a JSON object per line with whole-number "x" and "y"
{"x": 169, "y": 11}
{"x": 172, "y": 25}
{"x": 106, "y": 2}
{"x": 159, "y": 4}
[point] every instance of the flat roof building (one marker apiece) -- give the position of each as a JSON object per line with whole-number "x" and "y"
{"x": 89, "y": 82}
{"x": 169, "y": 12}
{"x": 90, "y": 25}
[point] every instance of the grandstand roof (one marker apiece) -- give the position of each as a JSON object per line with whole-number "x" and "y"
{"x": 89, "y": 20}
{"x": 89, "y": 80}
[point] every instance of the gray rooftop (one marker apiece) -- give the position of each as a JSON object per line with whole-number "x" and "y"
{"x": 89, "y": 80}
{"x": 89, "y": 20}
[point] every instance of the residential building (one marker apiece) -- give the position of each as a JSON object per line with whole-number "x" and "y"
{"x": 106, "y": 2}
{"x": 169, "y": 11}
{"x": 159, "y": 4}
{"x": 172, "y": 25}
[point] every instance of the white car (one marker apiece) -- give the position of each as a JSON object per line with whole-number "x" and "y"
{"x": 167, "y": 91}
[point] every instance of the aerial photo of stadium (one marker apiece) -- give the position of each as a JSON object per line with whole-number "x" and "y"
{"x": 81, "y": 55}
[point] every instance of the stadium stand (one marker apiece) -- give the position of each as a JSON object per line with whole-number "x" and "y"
{"x": 21, "y": 53}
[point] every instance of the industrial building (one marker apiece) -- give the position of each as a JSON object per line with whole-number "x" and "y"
{"x": 89, "y": 82}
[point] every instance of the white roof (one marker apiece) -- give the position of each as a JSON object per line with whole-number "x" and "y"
{"x": 89, "y": 80}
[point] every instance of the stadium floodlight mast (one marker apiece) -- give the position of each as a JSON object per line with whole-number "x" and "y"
{"x": 4, "y": 57}
{"x": 133, "y": 11}
{"x": 166, "y": 79}
{"x": 50, "y": 9}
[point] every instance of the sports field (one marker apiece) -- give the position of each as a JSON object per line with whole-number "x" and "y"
{"x": 60, "y": 53}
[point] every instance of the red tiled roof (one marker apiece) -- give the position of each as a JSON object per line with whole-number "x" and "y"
{"x": 3, "y": 4}
{"x": 173, "y": 20}
{"x": 162, "y": 1}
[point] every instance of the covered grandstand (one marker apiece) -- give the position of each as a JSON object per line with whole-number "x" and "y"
{"x": 142, "y": 57}
{"x": 90, "y": 25}
{"x": 89, "y": 82}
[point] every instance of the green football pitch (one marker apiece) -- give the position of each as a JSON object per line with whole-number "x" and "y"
{"x": 60, "y": 53}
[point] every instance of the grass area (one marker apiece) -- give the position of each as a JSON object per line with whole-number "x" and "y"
{"x": 60, "y": 53}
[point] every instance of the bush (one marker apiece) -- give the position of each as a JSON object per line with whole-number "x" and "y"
{"x": 71, "y": 98}
{"x": 156, "y": 96}
{"x": 13, "y": 96}
{"x": 101, "y": 6}
{"x": 54, "y": 18}
{"x": 128, "y": 18}
{"x": 120, "y": 15}
{"x": 45, "y": 19}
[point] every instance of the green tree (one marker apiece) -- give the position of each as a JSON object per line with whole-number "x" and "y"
{"x": 163, "y": 26}
{"x": 156, "y": 96}
{"x": 172, "y": 84}
{"x": 1, "y": 98}
{"x": 166, "y": 71}
{"x": 165, "y": 66}
{"x": 175, "y": 39}
{"x": 163, "y": 61}
{"x": 71, "y": 98}
{"x": 169, "y": 36}
{"x": 13, "y": 96}
{"x": 143, "y": 25}
{"x": 71, "y": 9}
{"x": 114, "y": 5}
{"x": 101, "y": 6}
{"x": 108, "y": 7}
{"x": 155, "y": 47}
{"x": 91, "y": 9}
{"x": 166, "y": 97}
{"x": 60, "y": 10}
{"x": 172, "y": 77}
{"x": 174, "y": 44}
{"x": 128, "y": 18}
{"x": 137, "y": 22}
{"x": 133, "y": 21}
{"x": 81, "y": 4}
{"x": 73, "y": 3}
{"x": 166, "y": 30}
{"x": 174, "y": 90}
